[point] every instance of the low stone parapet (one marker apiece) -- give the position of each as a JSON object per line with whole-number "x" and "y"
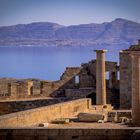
{"x": 45, "y": 114}
{"x": 12, "y": 106}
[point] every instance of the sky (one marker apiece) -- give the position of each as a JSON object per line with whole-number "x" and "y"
{"x": 67, "y": 12}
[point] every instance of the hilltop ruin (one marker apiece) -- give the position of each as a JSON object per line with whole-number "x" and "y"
{"x": 83, "y": 89}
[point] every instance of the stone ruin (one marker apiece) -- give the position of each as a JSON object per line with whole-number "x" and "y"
{"x": 89, "y": 81}
{"x": 75, "y": 82}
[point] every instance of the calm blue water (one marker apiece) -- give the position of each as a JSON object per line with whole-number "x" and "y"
{"x": 47, "y": 62}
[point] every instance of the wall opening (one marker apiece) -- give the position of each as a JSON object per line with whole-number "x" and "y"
{"x": 77, "y": 80}
{"x": 107, "y": 75}
{"x": 31, "y": 90}
{"x": 118, "y": 75}
{"x": 93, "y": 98}
{"x": 9, "y": 89}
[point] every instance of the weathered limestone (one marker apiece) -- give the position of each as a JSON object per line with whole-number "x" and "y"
{"x": 135, "y": 56}
{"x": 86, "y": 74}
{"x": 13, "y": 90}
{"x": 113, "y": 81}
{"x": 30, "y": 87}
{"x": 45, "y": 114}
{"x": 11, "y": 106}
{"x": 90, "y": 117}
{"x": 95, "y": 132}
{"x": 100, "y": 77}
{"x": 118, "y": 115}
{"x": 126, "y": 76}
{"x": 125, "y": 80}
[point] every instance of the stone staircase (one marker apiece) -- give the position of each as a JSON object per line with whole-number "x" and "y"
{"x": 69, "y": 73}
{"x": 66, "y": 77}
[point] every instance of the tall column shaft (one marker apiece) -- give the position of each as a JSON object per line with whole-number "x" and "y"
{"x": 135, "y": 88}
{"x": 100, "y": 77}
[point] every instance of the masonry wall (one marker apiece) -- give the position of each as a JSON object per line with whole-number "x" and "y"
{"x": 125, "y": 80}
{"x": 45, "y": 114}
{"x": 68, "y": 134}
{"x": 67, "y": 80}
{"x": 4, "y": 90}
{"x": 7, "y": 107}
{"x": 28, "y": 88}
{"x": 88, "y": 74}
{"x": 79, "y": 93}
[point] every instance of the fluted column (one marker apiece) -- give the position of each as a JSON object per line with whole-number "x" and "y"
{"x": 135, "y": 88}
{"x": 100, "y": 77}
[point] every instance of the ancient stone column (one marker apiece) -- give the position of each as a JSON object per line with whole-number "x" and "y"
{"x": 135, "y": 87}
{"x": 100, "y": 77}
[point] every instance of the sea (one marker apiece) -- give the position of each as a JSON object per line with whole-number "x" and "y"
{"x": 48, "y": 63}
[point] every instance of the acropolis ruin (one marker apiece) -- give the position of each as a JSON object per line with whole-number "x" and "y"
{"x": 80, "y": 93}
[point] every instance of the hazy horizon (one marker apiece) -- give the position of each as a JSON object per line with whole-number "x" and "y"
{"x": 66, "y": 25}
{"x": 67, "y": 12}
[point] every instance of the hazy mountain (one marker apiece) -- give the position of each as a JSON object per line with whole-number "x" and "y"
{"x": 119, "y": 31}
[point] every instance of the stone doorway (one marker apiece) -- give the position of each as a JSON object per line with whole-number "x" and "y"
{"x": 93, "y": 98}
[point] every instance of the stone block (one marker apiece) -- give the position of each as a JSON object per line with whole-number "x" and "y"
{"x": 90, "y": 117}
{"x": 61, "y": 121}
{"x": 43, "y": 125}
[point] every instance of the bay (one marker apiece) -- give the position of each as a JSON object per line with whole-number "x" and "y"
{"x": 48, "y": 63}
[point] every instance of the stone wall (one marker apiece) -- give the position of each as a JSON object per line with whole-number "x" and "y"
{"x": 7, "y": 107}
{"x": 28, "y": 88}
{"x": 73, "y": 78}
{"x": 45, "y": 114}
{"x": 88, "y": 74}
{"x": 5, "y": 87}
{"x": 67, "y": 80}
{"x": 79, "y": 93}
{"x": 4, "y": 90}
{"x": 126, "y": 76}
{"x": 112, "y": 97}
{"x": 67, "y": 134}
{"x": 125, "y": 80}
{"x": 87, "y": 78}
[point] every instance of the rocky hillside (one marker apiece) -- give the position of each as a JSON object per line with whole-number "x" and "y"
{"x": 119, "y": 31}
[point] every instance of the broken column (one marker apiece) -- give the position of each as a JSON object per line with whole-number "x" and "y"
{"x": 135, "y": 56}
{"x": 100, "y": 77}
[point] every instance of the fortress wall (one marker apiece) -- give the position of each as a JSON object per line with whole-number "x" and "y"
{"x": 45, "y": 114}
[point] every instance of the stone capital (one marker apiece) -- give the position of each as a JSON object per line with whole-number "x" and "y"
{"x": 100, "y": 51}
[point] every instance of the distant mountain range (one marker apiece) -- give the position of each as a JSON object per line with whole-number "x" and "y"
{"x": 119, "y": 31}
